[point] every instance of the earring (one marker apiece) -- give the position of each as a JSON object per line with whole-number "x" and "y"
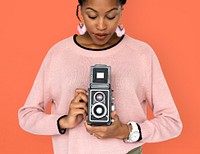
{"x": 81, "y": 28}
{"x": 120, "y": 30}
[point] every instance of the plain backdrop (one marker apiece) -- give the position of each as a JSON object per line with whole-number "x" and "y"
{"x": 29, "y": 28}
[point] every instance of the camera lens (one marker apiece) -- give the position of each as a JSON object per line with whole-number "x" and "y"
{"x": 99, "y": 110}
{"x": 99, "y": 96}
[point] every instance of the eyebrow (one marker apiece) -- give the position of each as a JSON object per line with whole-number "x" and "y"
{"x": 97, "y": 11}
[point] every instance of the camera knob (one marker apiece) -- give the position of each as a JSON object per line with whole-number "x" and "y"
{"x": 113, "y": 107}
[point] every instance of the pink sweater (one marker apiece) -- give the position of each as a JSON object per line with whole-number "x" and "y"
{"x": 136, "y": 78}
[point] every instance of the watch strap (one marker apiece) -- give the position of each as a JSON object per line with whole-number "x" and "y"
{"x": 139, "y": 128}
{"x": 135, "y": 128}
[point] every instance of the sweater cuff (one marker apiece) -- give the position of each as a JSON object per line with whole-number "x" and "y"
{"x": 146, "y": 130}
{"x": 61, "y": 131}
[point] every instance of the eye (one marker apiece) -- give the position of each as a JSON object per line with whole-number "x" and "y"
{"x": 92, "y": 17}
{"x": 111, "y": 18}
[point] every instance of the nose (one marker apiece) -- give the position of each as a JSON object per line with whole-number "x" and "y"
{"x": 101, "y": 25}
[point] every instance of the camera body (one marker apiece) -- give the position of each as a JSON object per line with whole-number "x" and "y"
{"x": 100, "y": 100}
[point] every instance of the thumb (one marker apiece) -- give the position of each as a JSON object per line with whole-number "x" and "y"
{"x": 114, "y": 115}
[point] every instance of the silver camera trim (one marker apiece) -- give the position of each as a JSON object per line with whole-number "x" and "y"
{"x": 108, "y": 108}
{"x": 105, "y": 110}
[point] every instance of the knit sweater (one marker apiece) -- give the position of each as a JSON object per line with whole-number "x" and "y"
{"x": 136, "y": 78}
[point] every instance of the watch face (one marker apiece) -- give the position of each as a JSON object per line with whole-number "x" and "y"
{"x": 134, "y": 136}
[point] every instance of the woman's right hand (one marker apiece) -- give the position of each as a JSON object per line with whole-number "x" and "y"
{"x": 77, "y": 110}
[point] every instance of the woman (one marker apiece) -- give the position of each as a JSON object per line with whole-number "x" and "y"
{"x": 137, "y": 78}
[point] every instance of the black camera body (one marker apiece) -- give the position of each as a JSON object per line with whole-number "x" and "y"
{"x": 100, "y": 100}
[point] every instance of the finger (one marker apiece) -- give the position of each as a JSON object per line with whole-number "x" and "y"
{"x": 76, "y": 112}
{"x": 96, "y": 129}
{"x": 114, "y": 115}
{"x": 93, "y": 130}
{"x": 86, "y": 119}
{"x": 88, "y": 128}
{"x": 79, "y": 106}
{"x": 79, "y": 97}
{"x": 80, "y": 90}
{"x": 97, "y": 136}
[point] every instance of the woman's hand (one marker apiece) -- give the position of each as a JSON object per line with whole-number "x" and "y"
{"x": 116, "y": 130}
{"x": 77, "y": 110}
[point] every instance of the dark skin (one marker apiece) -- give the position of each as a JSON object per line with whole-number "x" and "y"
{"x": 101, "y": 18}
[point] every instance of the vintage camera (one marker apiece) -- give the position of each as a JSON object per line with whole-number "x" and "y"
{"x": 100, "y": 100}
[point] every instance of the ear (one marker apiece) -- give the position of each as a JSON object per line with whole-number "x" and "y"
{"x": 81, "y": 10}
{"x": 122, "y": 9}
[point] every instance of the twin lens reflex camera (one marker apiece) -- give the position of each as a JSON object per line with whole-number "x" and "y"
{"x": 100, "y": 100}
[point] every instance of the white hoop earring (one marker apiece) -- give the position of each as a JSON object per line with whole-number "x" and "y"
{"x": 81, "y": 28}
{"x": 120, "y": 31}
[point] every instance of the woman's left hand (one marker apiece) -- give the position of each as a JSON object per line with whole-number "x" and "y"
{"x": 115, "y": 130}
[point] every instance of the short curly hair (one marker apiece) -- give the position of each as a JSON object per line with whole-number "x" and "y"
{"x": 81, "y": 2}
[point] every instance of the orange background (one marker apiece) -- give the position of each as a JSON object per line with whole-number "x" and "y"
{"x": 29, "y": 28}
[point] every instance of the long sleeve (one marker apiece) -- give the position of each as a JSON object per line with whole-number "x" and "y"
{"x": 32, "y": 116}
{"x": 136, "y": 79}
{"x": 166, "y": 123}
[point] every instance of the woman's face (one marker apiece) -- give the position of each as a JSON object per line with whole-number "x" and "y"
{"x": 101, "y": 18}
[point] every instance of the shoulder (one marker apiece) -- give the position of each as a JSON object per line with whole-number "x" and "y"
{"x": 59, "y": 47}
{"x": 57, "y": 50}
{"x": 139, "y": 46}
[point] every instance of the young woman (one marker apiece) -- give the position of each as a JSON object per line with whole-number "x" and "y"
{"x": 136, "y": 78}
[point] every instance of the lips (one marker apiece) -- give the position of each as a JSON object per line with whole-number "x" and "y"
{"x": 100, "y": 36}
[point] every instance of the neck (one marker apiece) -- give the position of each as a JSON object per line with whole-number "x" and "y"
{"x": 86, "y": 41}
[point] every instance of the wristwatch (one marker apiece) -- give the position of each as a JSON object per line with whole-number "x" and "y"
{"x": 134, "y": 135}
